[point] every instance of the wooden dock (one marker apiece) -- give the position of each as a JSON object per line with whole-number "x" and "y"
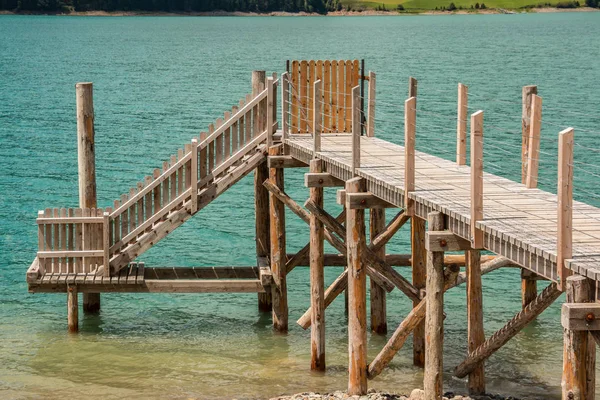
{"x": 325, "y": 120}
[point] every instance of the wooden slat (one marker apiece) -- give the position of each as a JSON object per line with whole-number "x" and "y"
{"x": 294, "y": 97}
{"x": 476, "y": 178}
{"x": 341, "y": 97}
{"x": 410, "y": 120}
{"x": 371, "y": 105}
{"x": 565, "y": 204}
{"x": 326, "y": 96}
{"x": 533, "y": 153}
{"x": 349, "y": 97}
{"x": 461, "y": 124}
{"x": 311, "y": 95}
{"x": 235, "y": 136}
{"x": 211, "y": 150}
{"x": 203, "y": 157}
{"x": 180, "y": 172}
{"x": 334, "y": 97}
{"x": 303, "y": 89}
{"x": 227, "y": 138}
{"x": 188, "y": 167}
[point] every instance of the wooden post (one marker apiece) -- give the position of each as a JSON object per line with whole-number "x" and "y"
{"x": 317, "y": 117}
{"x": 412, "y": 87}
{"x": 72, "y": 309}
{"x": 577, "y": 370}
{"x": 534, "y": 142}
{"x": 194, "y": 175}
{"x": 410, "y": 120}
{"x": 371, "y": 105}
{"x": 419, "y": 268}
{"x": 476, "y": 178}
{"x": 434, "y": 316}
{"x": 278, "y": 248}
{"x": 461, "y": 124}
{"x": 565, "y": 204}
{"x": 356, "y": 130}
{"x": 357, "y": 294}
{"x": 476, "y": 333}
{"x": 261, "y": 200}
{"x": 285, "y": 105}
{"x": 378, "y": 294}
{"x": 317, "y": 280}
{"x": 86, "y": 160}
{"x": 270, "y": 113}
{"x": 528, "y": 91}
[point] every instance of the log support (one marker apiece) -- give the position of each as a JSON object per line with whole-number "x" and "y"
{"x": 378, "y": 294}
{"x": 434, "y": 316}
{"x": 357, "y": 294}
{"x": 317, "y": 281}
{"x": 86, "y": 160}
{"x": 476, "y": 333}
{"x": 419, "y": 267}
{"x": 579, "y": 353}
{"x": 72, "y": 309}
{"x": 278, "y": 247}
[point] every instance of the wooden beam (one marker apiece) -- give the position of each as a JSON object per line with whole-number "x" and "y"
{"x": 357, "y": 293}
{"x": 321, "y": 179}
{"x": 285, "y": 162}
{"x": 340, "y": 197}
{"x": 475, "y": 329}
{"x": 371, "y": 105}
{"x": 365, "y": 200}
{"x": 577, "y": 372}
{"x": 203, "y": 286}
{"x": 410, "y": 121}
{"x": 317, "y": 127}
{"x": 461, "y": 124}
{"x": 445, "y": 241}
{"x": 514, "y": 326}
{"x": 528, "y": 92}
{"x": 377, "y": 293}
{"x": 476, "y": 178}
{"x": 86, "y": 160}
{"x": 285, "y": 105}
{"x": 565, "y": 205}
{"x": 356, "y": 129}
{"x": 533, "y": 154}
{"x": 317, "y": 279}
{"x": 33, "y": 272}
{"x": 278, "y": 245}
{"x": 419, "y": 273}
{"x": 434, "y": 316}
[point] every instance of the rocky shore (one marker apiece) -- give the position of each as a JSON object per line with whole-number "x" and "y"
{"x": 416, "y": 394}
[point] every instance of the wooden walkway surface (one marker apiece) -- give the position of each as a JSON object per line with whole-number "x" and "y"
{"x": 519, "y": 223}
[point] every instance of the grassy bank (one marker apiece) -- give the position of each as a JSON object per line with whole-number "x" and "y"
{"x": 429, "y": 5}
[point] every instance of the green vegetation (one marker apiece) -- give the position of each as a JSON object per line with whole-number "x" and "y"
{"x": 470, "y": 5}
{"x": 318, "y": 6}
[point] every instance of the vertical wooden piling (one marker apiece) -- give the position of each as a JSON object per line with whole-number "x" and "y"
{"x": 419, "y": 268}
{"x": 476, "y": 333}
{"x": 317, "y": 280}
{"x": 575, "y": 382}
{"x": 565, "y": 205}
{"x": 378, "y": 294}
{"x": 534, "y": 142}
{"x": 476, "y": 178}
{"x": 434, "y": 316}
{"x": 261, "y": 197}
{"x": 371, "y": 105}
{"x": 461, "y": 124}
{"x": 410, "y": 121}
{"x": 356, "y": 129}
{"x": 72, "y": 309}
{"x": 412, "y": 87}
{"x": 528, "y": 283}
{"x": 278, "y": 248}
{"x": 357, "y": 294}
{"x": 86, "y": 160}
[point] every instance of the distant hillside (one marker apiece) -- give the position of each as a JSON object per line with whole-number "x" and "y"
{"x": 392, "y": 5}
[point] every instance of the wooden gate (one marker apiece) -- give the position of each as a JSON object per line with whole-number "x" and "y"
{"x": 337, "y": 78}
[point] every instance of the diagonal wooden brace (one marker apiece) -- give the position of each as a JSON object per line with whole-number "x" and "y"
{"x": 417, "y": 315}
{"x": 375, "y": 274}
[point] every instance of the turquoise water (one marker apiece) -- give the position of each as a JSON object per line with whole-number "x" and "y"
{"x": 158, "y": 81}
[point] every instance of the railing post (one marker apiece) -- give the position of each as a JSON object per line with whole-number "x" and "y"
{"x": 194, "y": 175}
{"x": 528, "y": 91}
{"x": 270, "y": 114}
{"x": 87, "y": 167}
{"x": 565, "y": 205}
{"x": 461, "y": 124}
{"x": 412, "y": 87}
{"x": 534, "y": 142}
{"x": 317, "y": 118}
{"x": 371, "y": 105}
{"x": 355, "y": 129}
{"x": 106, "y": 242}
{"x": 285, "y": 105}
{"x": 410, "y": 120}
{"x": 476, "y": 178}
{"x": 275, "y": 125}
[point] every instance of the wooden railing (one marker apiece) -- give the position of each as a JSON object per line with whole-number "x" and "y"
{"x": 83, "y": 241}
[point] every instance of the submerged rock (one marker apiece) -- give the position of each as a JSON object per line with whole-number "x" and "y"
{"x": 417, "y": 394}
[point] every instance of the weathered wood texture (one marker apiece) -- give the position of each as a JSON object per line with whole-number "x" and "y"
{"x": 410, "y": 120}
{"x": 476, "y": 178}
{"x": 378, "y": 294}
{"x": 475, "y": 329}
{"x": 528, "y": 92}
{"x": 278, "y": 246}
{"x": 434, "y": 317}
{"x": 357, "y": 295}
{"x": 317, "y": 280}
{"x": 578, "y": 356}
{"x": 461, "y": 124}
{"x": 72, "y": 309}
{"x": 565, "y": 205}
{"x": 419, "y": 273}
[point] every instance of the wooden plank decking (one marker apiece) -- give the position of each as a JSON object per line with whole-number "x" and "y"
{"x": 519, "y": 223}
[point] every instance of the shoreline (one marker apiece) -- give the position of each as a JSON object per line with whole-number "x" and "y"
{"x": 417, "y": 394}
{"x": 300, "y": 14}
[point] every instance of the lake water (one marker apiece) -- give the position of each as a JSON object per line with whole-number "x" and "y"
{"x": 158, "y": 81}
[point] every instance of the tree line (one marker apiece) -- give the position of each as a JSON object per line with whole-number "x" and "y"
{"x": 259, "y": 6}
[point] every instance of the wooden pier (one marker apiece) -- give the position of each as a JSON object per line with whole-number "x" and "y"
{"x": 325, "y": 121}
